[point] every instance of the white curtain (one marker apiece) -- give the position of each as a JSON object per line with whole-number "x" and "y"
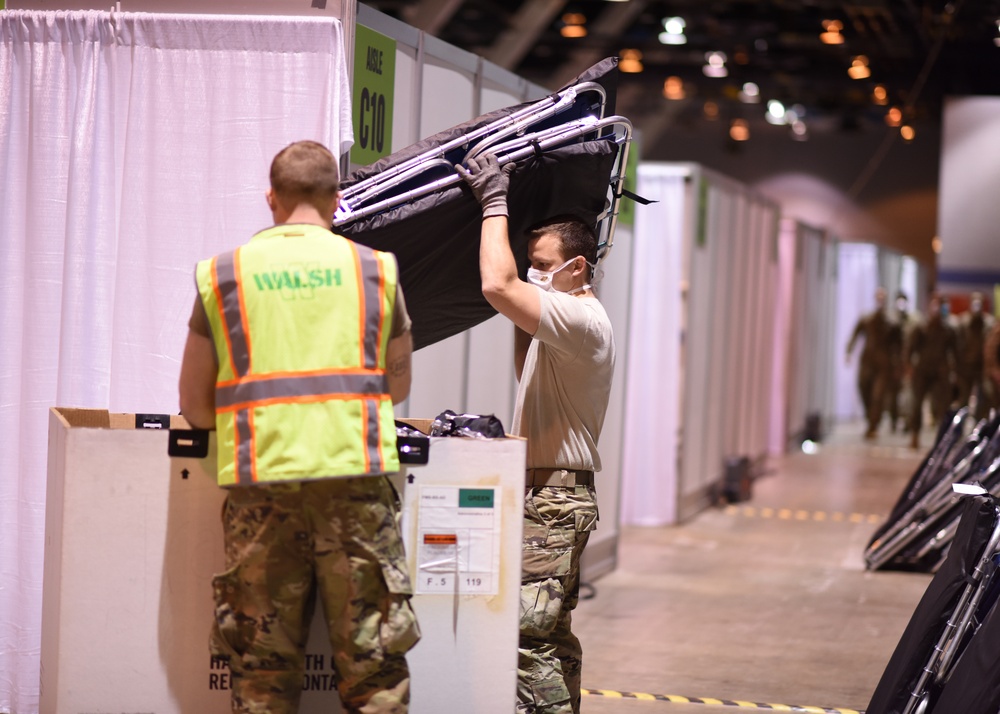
{"x": 858, "y": 268}
{"x": 778, "y": 433}
{"x": 653, "y": 389}
{"x": 131, "y": 146}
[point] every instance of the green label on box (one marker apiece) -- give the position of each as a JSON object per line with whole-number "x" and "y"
{"x": 374, "y": 86}
{"x": 475, "y": 498}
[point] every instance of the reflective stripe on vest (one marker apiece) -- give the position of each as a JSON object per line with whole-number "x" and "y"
{"x": 228, "y": 297}
{"x": 246, "y": 391}
{"x": 371, "y": 282}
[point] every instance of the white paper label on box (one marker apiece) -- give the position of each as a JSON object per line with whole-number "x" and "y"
{"x": 458, "y": 540}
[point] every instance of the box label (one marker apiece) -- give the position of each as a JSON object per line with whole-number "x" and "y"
{"x": 458, "y": 549}
{"x": 475, "y": 498}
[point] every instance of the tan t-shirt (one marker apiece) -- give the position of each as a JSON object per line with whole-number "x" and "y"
{"x": 566, "y": 383}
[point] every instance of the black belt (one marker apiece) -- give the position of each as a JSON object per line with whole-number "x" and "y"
{"x": 558, "y": 477}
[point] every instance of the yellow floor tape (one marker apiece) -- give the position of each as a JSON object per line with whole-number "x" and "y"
{"x": 673, "y": 698}
{"x": 787, "y": 514}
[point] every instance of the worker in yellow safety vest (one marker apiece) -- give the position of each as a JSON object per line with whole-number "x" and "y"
{"x": 298, "y": 346}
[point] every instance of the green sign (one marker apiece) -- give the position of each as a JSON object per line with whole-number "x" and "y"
{"x": 475, "y": 498}
{"x": 374, "y": 86}
{"x": 702, "y": 229}
{"x": 626, "y": 208}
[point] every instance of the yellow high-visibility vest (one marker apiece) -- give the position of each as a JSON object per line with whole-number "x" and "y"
{"x": 300, "y": 318}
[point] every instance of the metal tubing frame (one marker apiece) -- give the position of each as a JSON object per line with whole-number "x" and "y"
{"x": 989, "y": 481}
{"x": 875, "y": 555}
{"x": 514, "y": 123}
{"x": 946, "y": 645}
{"x": 933, "y": 506}
{"x": 550, "y": 138}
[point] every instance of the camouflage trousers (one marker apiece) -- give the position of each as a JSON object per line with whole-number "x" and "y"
{"x": 557, "y": 525}
{"x": 286, "y": 545}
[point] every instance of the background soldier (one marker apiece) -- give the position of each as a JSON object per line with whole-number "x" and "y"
{"x": 899, "y": 333}
{"x": 875, "y": 368}
{"x": 974, "y": 327}
{"x": 991, "y": 364}
{"x": 931, "y": 354}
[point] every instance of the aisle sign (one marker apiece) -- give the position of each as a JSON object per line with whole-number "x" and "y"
{"x": 374, "y": 85}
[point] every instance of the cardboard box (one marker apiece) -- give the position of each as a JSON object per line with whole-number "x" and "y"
{"x": 132, "y": 538}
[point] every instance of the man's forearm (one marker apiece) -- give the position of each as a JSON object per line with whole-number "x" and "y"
{"x": 496, "y": 260}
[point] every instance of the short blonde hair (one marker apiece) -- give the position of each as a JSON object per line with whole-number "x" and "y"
{"x": 305, "y": 172}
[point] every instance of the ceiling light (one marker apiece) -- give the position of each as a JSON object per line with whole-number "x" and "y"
{"x": 831, "y": 34}
{"x": 906, "y": 131}
{"x": 673, "y": 88}
{"x": 894, "y": 117}
{"x": 799, "y": 131}
{"x": 715, "y": 64}
{"x": 750, "y": 94}
{"x": 775, "y": 112}
{"x": 996, "y": 40}
{"x": 573, "y": 25}
{"x": 668, "y": 38}
{"x": 630, "y": 62}
{"x": 879, "y": 95}
{"x": 859, "y": 68}
{"x": 739, "y": 130}
{"x": 711, "y": 110}
{"x": 674, "y": 25}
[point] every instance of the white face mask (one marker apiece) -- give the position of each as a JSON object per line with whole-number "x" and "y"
{"x": 543, "y": 278}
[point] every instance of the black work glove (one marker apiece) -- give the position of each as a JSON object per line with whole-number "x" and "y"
{"x": 489, "y": 183}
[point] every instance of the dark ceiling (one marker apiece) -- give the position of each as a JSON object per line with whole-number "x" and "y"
{"x": 919, "y": 50}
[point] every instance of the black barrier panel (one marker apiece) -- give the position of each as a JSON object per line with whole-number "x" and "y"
{"x": 916, "y": 646}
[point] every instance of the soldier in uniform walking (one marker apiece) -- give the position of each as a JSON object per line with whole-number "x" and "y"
{"x": 931, "y": 354}
{"x": 898, "y": 335}
{"x": 874, "y": 373}
{"x": 974, "y": 327}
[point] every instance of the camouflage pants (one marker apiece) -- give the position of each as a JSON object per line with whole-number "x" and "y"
{"x": 557, "y": 525}
{"x": 337, "y": 539}
{"x": 874, "y": 386}
{"x": 935, "y": 385}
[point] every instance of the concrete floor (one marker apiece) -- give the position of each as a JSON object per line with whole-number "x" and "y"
{"x": 762, "y": 603}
